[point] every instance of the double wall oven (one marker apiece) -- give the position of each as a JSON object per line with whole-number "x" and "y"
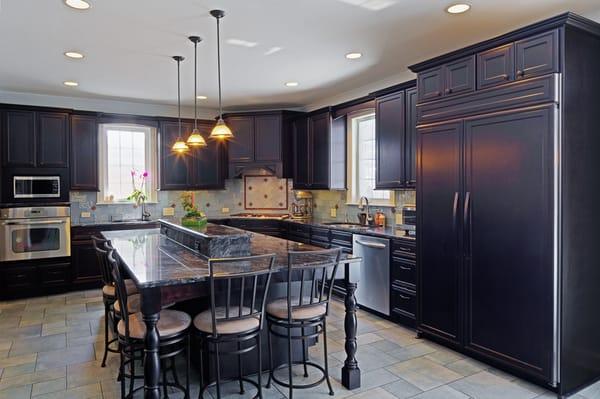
{"x": 35, "y": 233}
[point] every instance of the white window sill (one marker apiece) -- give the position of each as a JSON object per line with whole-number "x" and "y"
{"x": 125, "y": 203}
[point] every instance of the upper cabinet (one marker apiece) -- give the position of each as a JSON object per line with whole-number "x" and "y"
{"x": 448, "y": 79}
{"x": 84, "y": 152}
{"x": 319, "y": 152}
{"x": 262, "y": 140}
{"x": 35, "y": 139}
{"x": 198, "y": 168}
{"x": 396, "y": 139}
{"x": 496, "y": 63}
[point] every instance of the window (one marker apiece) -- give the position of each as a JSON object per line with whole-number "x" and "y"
{"x": 362, "y": 165}
{"x": 123, "y": 149}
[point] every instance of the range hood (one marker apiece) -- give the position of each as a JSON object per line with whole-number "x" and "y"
{"x": 239, "y": 170}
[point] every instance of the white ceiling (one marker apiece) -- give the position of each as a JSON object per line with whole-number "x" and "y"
{"x": 128, "y": 45}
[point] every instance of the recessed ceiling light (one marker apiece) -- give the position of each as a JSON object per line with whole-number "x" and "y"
{"x": 241, "y": 42}
{"x": 291, "y": 84}
{"x": 70, "y": 83}
{"x": 458, "y": 8}
{"x": 353, "y": 55}
{"x": 201, "y": 97}
{"x": 78, "y": 4}
{"x": 74, "y": 54}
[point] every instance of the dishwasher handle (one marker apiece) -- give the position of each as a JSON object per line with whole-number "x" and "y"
{"x": 372, "y": 244}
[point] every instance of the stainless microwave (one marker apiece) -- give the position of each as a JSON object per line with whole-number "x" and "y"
{"x": 36, "y": 186}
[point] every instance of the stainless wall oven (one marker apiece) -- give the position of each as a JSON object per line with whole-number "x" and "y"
{"x": 35, "y": 233}
{"x": 36, "y": 187}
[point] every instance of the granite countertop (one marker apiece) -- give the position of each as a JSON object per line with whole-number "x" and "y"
{"x": 110, "y": 223}
{"x": 154, "y": 260}
{"x": 387, "y": 231}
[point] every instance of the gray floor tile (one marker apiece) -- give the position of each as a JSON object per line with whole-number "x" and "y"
{"x": 63, "y": 357}
{"x": 38, "y": 344}
{"x": 402, "y": 389}
{"x": 443, "y": 392}
{"x": 485, "y": 385}
{"x": 22, "y": 392}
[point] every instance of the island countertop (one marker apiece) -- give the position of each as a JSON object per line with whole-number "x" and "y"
{"x": 154, "y": 260}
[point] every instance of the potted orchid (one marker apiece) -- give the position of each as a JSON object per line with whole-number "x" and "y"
{"x": 138, "y": 195}
{"x": 193, "y": 217}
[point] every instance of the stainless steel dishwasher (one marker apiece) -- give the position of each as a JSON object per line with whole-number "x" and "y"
{"x": 373, "y": 290}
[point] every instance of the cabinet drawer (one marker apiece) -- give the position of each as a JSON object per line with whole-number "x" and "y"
{"x": 20, "y": 281}
{"x": 404, "y": 272}
{"x": 319, "y": 234}
{"x": 319, "y": 243}
{"x": 495, "y": 66}
{"x": 404, "y": 303}
{"x": 55, "y": 275}
{"x": 537, "y": 55}
{"x": 341, "y": 238}
{"x": 404, "y": 249}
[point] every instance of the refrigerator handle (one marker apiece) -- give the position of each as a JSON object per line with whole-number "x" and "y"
{"x": 455, "y": 212}
{"x": 467, "y": 223}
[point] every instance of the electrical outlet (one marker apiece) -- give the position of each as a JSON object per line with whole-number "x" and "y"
{"x": 398, "y": 218}
{"x": 85, "y": 215}
{"x": 224, "y": 210}
{"x": 333, "y": 212}
{"x": 168, "y": 211}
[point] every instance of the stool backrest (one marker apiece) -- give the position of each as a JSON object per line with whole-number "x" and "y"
{"x": 316, "y": 271}
{"x": 120, "y": 288}
{"x": 102, "y": 255}
{"x": 239, "y": 287}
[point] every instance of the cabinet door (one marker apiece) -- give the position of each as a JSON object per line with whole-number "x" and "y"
{"x": 53, "y": 139}
{"x": 495, "y": 66}
{"x": 267, "y": 138}
{"x": 537, "y": 55}
{"x": 175, "y": 168}
{"x": 209, "y": 162}
{"x": 410, "y": 148}
{"x": 19, "y": 281}
{"x": 430, "y": 84}
{"x": 84, "y": 153}
{"x": 19, "y": 139}
{"x": 85, "y": 266}
{"x": 320, "y": 130}
{"x": 390, "y": 134}
{"x": 508, "y": 237}
{"x": 460, "y": 76}
{"x": 241, "y": 148}
{"x": 301, "y": 153}
{"x": 438, "y": 207}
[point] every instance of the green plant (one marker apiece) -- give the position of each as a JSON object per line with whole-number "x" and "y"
{"x": 187, "y": 202}
{"x": 138, "y": 195}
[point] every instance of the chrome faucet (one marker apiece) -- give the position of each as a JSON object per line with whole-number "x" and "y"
{"x": 362, "y": 203}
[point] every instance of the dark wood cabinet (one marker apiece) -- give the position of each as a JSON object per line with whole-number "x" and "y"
{"x": 302, "y": 144}
{"x": 241, "y": 147}
{"x": 84, "y": 153}
{"x": 495, "y": 66}
{"x": 53, "y": 140}
{"x": 430, "y": 84}
{"x": 18, "y": 281}
{"x": 18, "y": 138}
{"x": 85, "y": 267}
{"x": 267, "y": 138}
{"x": 35, "y": 139}
{"x": 28, "y": 279}
{"x": 209, "y": 164}
{"x": 501, "y": 270}
{"x": 537, "y": 55}
{"x": 396, "y": 139}
{"x": 459, "y": 76}
{"x": 319, "y": 126}
{"x": 55, "y": 276}
{"x": 390, "y": 136}
{"x": 175, "y": 169}
{"x": 439, "y": 209}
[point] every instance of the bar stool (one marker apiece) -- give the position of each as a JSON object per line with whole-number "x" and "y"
{"x": 109, "y": 297}
{"x": 306, "y": 307}
{"x": 173, "y": 330}
{"x": 235, "y": 317}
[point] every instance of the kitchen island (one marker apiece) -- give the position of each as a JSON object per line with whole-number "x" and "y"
{"x": 166, "y": 271}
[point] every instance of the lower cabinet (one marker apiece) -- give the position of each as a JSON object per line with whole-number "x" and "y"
{"x": 85, "y": 266}
{"x": 29, "y": 279}
{"x": 403, "y": 305}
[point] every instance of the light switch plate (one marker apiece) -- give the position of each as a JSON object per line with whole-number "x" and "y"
{"x": 398, "y": 218}
{"x": 333, "y": 212}
{"x": 224, "y": 210}
{"x": 170, "y": 211}
{"x": 85, "y": 215}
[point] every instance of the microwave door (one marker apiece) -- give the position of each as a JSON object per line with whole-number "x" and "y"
{"x": 36, "y": 186}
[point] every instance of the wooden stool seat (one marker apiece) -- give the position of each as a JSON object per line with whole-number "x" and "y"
{"x": 134, "y": 304}
{"x": 171, "y": 322}
{"x": 203, "y": 321}
{"x": 110, "y": 290}
{"x": 279, "y": 308}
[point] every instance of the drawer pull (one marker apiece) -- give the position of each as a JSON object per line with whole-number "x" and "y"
{"x": 403, "y": 297}
{"x": 405, "y": 268}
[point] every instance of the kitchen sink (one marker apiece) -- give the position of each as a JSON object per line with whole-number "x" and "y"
{"x": 348, "y": 225}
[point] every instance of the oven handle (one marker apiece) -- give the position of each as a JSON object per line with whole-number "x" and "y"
{"x": 371, "y": 244}
{"x": 33, "y": 223}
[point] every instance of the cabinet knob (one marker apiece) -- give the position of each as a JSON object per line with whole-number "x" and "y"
{"x": 520, "y": 73}
{"x": 505, "y": 77}
{"x": 448, "y": 91}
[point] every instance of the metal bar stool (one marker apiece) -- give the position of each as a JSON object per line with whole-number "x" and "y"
{"x": 173, "y": 329}
{"x": 238, "y": 293}
{"x": 109, "y": 297}
{"x": 305, "y": 308}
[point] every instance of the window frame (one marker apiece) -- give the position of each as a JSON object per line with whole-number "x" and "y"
{"x": 352, "y": 161}
{"x": 151, "y": 161}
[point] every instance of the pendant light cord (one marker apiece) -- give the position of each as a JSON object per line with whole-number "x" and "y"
{"x": 179, "y": 98}
{"x": 219, "y": 66}
{"x": 195, "y": 85}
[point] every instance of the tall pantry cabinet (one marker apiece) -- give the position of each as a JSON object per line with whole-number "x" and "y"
{"x": 507, "y": 200}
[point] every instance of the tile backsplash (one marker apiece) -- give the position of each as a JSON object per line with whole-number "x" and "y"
{"x": 232, "y": 197}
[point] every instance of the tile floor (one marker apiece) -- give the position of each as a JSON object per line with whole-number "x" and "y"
{"x": 50, "y": 347}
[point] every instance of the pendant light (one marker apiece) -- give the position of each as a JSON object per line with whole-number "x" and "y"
{"x": 220, "y": 131}
{"x": 196, "y": 139}
{"x": 180, "y": 145}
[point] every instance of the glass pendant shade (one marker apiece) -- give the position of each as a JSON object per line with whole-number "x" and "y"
{"x": 221, "y": 131}
{"x": 196, "y": 139}
{"x": 180, "y": 146}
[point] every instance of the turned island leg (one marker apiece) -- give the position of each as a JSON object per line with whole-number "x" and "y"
{"x": 151, "y": 306}
{"x": 350, "y": 371}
